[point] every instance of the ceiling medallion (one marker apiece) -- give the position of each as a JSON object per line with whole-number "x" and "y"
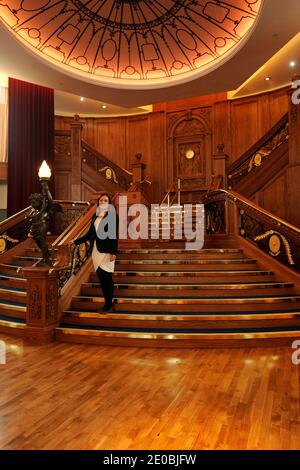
{"x": 132, "y": 41}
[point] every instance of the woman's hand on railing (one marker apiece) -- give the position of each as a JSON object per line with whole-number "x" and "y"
{"x": 112, "y": 257}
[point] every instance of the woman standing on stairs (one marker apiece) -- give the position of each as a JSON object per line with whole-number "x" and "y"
{"x": 103, "y": 237}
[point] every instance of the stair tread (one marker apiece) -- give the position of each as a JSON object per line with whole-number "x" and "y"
{"x": 183, "y": 331}
{"x": 219, "y": 271}
{"x": 11, "y": 276}
{"x": 198, "y": 285}
{"x": 172, "y": 314}
{"x": 275, "y": 296}
{"x": 12, "y": 289}
{"x": 10, "y": 302}
{"x": 179, "y": 250}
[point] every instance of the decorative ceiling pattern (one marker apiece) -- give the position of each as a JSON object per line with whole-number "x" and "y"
{"x": 135, "y": 40}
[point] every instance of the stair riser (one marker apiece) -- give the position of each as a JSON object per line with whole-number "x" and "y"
{"x": 215, "y": 341}
{"x": 210, "y": 252}
{"x": 22, "y": 262}
{"x": 171, "y": 293}
{"x": 210, "y": 278}
{"x": 12, "y": 331}
{"x": 230, "y": 325}
{"x": 13, "y": 297}
{"x": 182, "y": 256}
{"x": 10, "y": 270}
{"x": 185, "y": 267}
{"x": 186, "y": 307}
{"x": 11, "y": 282}
{"x": 12, "y": 313}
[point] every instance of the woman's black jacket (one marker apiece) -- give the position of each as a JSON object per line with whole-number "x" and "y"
{"x": 107, "y": 245}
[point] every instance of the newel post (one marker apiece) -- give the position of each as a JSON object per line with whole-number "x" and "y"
{"x": 76, "y": 154}
{"x": 42, "y": 304}
{"x": 138, "y": 169}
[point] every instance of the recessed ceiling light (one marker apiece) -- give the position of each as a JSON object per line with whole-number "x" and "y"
{"x": 81, "y": 98}
{"x": 292, "y": 63}
{"x": 104, "y": 106}
{"x": 268, "y": 79}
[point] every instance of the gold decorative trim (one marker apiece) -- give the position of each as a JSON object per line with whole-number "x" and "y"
{"x": 191, "y": 301}
{"x": 177, "y": 336}
{"x": 284, "y": 241}
{"x": 3, "y": 240}
{"x": 109, "y": 173}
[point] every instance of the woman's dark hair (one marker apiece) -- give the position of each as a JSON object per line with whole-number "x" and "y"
{"x": 104, "y": 194}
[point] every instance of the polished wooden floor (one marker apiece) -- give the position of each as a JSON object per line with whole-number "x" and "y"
{"x": 66, "y": 396}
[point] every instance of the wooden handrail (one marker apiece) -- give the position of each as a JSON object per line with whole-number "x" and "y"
{"x": 260, "y": 143}
{"x": 238, "y": 199}
{"x": 75, "y": 228}
{"x": 62, "y": 132}
{"x": 14, "y": 219}
{"x": 126, "y": 174}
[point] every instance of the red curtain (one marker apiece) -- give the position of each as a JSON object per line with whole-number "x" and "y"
{"x": 30, "y": 140}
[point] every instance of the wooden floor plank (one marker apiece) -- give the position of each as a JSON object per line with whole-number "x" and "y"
{"x": 65, "y": 396}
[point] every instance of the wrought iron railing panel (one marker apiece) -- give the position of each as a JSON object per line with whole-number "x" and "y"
{"x": 269, "y": 233}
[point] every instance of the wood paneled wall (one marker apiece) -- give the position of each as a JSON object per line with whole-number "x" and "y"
{"x": 239, "y": 123}
{"x": 273, "y": 196}
{"x": 236, "y": 124}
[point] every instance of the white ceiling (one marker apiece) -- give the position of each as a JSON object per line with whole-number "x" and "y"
{"x": 66, "y": 104}
{"x": 277, "y": 25}
{"x": 277, "y": 69}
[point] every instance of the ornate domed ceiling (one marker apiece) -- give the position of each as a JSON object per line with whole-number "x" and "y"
{"x": 132, "y": 41}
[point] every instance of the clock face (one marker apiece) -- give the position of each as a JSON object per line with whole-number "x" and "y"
{"x": 189, "y": 154}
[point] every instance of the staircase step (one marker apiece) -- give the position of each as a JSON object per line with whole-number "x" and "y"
{"x": 208, "y": 339}
{"x": 12, "y": 326}
{"x": 185, "y": 261}
{"x": 7, "y": 280}
{"x": 170, "y": 251}
{"x": 166, "y": 290}
{"x": 12, "y": 309}
{"x": 182, "y": 321}
{"x": 184, "y": 267}
{"x": 259, "y": 303}
{"x": 12, "y": 294}
{"x": 11, "y": 269}
{"x": 189, "y": 276}
{"x": 26, "y": 260}
{"x": 178, "y": 256}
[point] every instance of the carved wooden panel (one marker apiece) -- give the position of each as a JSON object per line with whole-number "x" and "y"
{"x": 62, "y": 147}
{"x": 34, "y": 302}
{"x": 51, "y": 301}
{"x": 190, "y": 131}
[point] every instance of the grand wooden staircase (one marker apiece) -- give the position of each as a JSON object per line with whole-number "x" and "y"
{"x": 174, "y": 298}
